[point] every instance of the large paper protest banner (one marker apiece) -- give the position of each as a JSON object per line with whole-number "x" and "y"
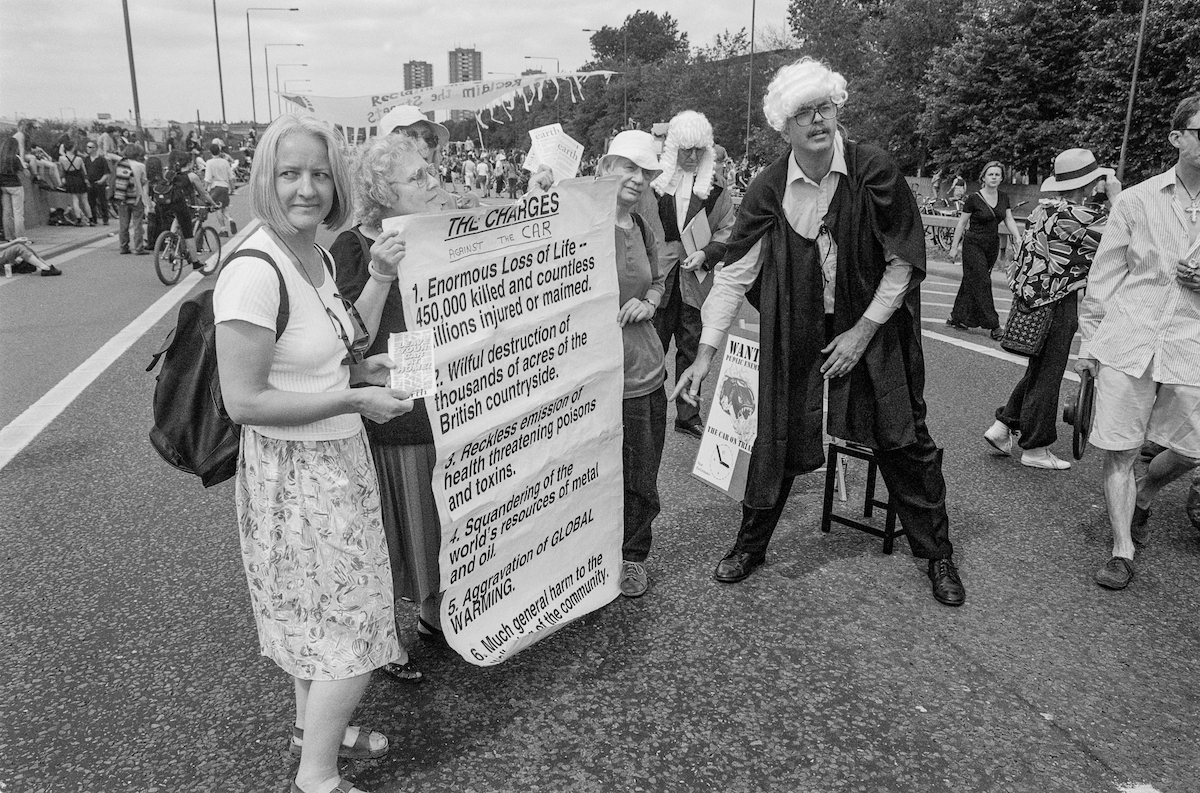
{"x": 359, "y": 116}
{"x": 522, "y": 300}
{"x": 723, "y": 460}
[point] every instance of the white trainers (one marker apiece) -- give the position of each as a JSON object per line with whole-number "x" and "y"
{"x": 633, "y": 579}
{"x": 1001, "y": 438}
{"x": 1043, "y": 458}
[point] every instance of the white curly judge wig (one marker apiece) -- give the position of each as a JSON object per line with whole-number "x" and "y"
{"x": 688, "y": 130}
{"x": 798, "y": 84}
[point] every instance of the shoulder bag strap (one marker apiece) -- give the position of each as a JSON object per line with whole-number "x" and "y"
{"x": 285, "y": 308}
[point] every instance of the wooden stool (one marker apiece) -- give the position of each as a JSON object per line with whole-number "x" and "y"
{"x": 844, "y": 448}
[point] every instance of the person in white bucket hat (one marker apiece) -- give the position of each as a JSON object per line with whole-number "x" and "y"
{"x": 431, "y": 138}
{"x": 687, "y": 187}
{"x": 1140, "y": 329}
{"x": 1051, "y": 269}
{"x": 631, "y": 158}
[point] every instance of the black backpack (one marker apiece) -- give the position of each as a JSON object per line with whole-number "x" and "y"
{"x": 163, "y": 190}
{"x": 191, "y": 429}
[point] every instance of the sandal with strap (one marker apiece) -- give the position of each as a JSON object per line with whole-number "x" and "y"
{"x": 343, "y": 786}
{"x": 360, "y": 750}
{"x": 430, "y": 633}
{"x": 405, "y": 673}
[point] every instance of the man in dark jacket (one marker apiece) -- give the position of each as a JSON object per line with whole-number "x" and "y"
{"x": 98, "y": 178}
{"x": 830, "y": 249}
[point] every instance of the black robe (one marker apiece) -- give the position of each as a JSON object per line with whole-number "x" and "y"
{"x": 881, "y": 402}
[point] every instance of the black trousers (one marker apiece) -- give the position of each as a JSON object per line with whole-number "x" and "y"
{"x": 676, "y": 319}
{"x": 914, "y": 480}
{"x": 98, "y": 200}
{"x": 913, "y": 475}
{"x": 1032, "y": 408}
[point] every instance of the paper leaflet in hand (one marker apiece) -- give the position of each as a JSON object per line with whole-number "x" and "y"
{"x": 695, "y": 235}
{"x": 412, "y": 352}
{"x": 552, "y": 148}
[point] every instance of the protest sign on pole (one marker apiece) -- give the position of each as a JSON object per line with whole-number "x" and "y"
{"x": 522, "y": 301}
{"x": 723, "y": 460}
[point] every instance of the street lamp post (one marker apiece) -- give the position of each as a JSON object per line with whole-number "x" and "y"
{"x": 137, "y": 110}
{"x": 220, "y": 77}
{"x": 250, "y": 51}
{"x": 543, "y": 58}
{"x": 278, "y": 100}
{"x": 625, "y": 76}
{"x": 267, "y": 69}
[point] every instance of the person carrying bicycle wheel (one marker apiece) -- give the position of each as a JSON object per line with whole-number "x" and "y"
{"x": 185, "y": 188}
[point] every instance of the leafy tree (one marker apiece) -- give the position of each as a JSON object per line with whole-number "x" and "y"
{"x": 651, "y": 38}
{"x": 1168, "y": 72}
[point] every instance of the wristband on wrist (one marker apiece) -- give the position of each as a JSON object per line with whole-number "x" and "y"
{"x": 378, "y": 276}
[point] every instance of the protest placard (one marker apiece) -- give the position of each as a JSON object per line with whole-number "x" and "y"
{"x": 522, "y": 301}
{"x": 553, "y": 148}
{"x": 723, "y": 459}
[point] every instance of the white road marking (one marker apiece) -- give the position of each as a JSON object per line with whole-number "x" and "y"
{"x": 18, "y": 433}
{"x": 979, "y": 348}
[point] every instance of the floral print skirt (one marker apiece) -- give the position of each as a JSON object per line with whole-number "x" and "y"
{"x": 315, "y": 555}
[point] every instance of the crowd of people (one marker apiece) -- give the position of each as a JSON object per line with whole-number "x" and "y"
{"x": 337, "y": 520}
{"x": 108, "y": 174}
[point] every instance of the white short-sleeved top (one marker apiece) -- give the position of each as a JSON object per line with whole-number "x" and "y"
{"x": 308, "y": 356}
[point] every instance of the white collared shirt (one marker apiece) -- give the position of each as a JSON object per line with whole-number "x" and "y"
{"x": 683, "y": 197}
{"x": 805, "y": 204}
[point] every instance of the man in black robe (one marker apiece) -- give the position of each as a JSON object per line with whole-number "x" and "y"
{"x": 830, "y": 249}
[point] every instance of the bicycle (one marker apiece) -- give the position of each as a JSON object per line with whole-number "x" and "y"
{"x": 170, "y": 253}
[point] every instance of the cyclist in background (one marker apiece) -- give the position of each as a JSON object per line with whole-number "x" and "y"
{"x": 218, "y": 178}
{"x": 185, "y": 186}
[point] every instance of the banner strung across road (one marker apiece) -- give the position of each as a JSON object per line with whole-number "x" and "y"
{"x": 354, "y": 113}
{"x": 522, "y": 300}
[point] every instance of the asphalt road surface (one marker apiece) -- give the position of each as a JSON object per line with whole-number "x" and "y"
{"x": 131, "y": 661}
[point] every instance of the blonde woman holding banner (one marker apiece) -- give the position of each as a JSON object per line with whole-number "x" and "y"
{"x": 307, "y": 499}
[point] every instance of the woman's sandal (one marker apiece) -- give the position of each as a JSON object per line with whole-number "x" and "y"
{"x": 361, "y": 750}
{"x": 429, "y": 633}
{"x": 343, "y": 786}
{"x": 405, "y": 672}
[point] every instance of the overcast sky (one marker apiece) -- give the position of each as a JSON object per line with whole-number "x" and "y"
{"x": 67, "y": 58}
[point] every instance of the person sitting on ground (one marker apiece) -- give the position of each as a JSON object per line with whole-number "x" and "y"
{"x": 20, "y": 255}
{"x": 218, "y": 176}
{"x": 1052, "y": 267}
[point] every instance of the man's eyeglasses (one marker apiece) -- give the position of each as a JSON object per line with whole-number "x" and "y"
{"x": 355, "y": 350}
{"x": 806, "y": 115}
{"x": 1194, "y": 130}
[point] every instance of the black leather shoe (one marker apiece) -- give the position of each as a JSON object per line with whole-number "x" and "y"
{"x": 947, "y": 587}
{"x": 736, "y": 566}
{"x": 1139, "y": 531}
{"x": 693, "y": 426}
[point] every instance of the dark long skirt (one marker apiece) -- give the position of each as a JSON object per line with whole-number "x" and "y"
{"x": 410, "y": 517}
{"x": 1032, "y": 407}
{"x": 973, "y": 305}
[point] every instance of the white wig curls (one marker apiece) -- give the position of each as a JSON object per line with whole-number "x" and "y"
{"x": 799, "y": 84}
{"x": 687, "y": 130}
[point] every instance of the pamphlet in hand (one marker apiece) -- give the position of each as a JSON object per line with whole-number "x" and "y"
{"x": 696, "y": 234}
{"x": 554, "y": 149}
{"x": 412, "y": 351}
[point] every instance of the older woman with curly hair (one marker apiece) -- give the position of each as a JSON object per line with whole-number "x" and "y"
{"x": 391, "y": 178}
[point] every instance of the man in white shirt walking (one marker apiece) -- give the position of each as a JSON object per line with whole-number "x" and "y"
{"x": 1140, "y": 325}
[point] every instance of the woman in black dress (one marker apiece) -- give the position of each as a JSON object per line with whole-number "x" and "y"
{"x": 977, "y": 233}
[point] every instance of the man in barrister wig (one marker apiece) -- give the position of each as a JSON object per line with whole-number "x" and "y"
{"x": 830, "y": 249}
{"x": 687, "y": 188}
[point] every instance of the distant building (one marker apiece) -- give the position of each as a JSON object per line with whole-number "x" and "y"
{"x": 466, "y": 65}
{"x": 532, "y": 71}
{"x": 418, "y": 74}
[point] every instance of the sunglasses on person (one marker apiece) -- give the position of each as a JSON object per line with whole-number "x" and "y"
{"x": 807, "y": 115}
{"x": 355, "y": 350}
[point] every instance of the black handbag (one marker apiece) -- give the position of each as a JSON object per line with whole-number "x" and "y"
{"x": 1027, "y": 328}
